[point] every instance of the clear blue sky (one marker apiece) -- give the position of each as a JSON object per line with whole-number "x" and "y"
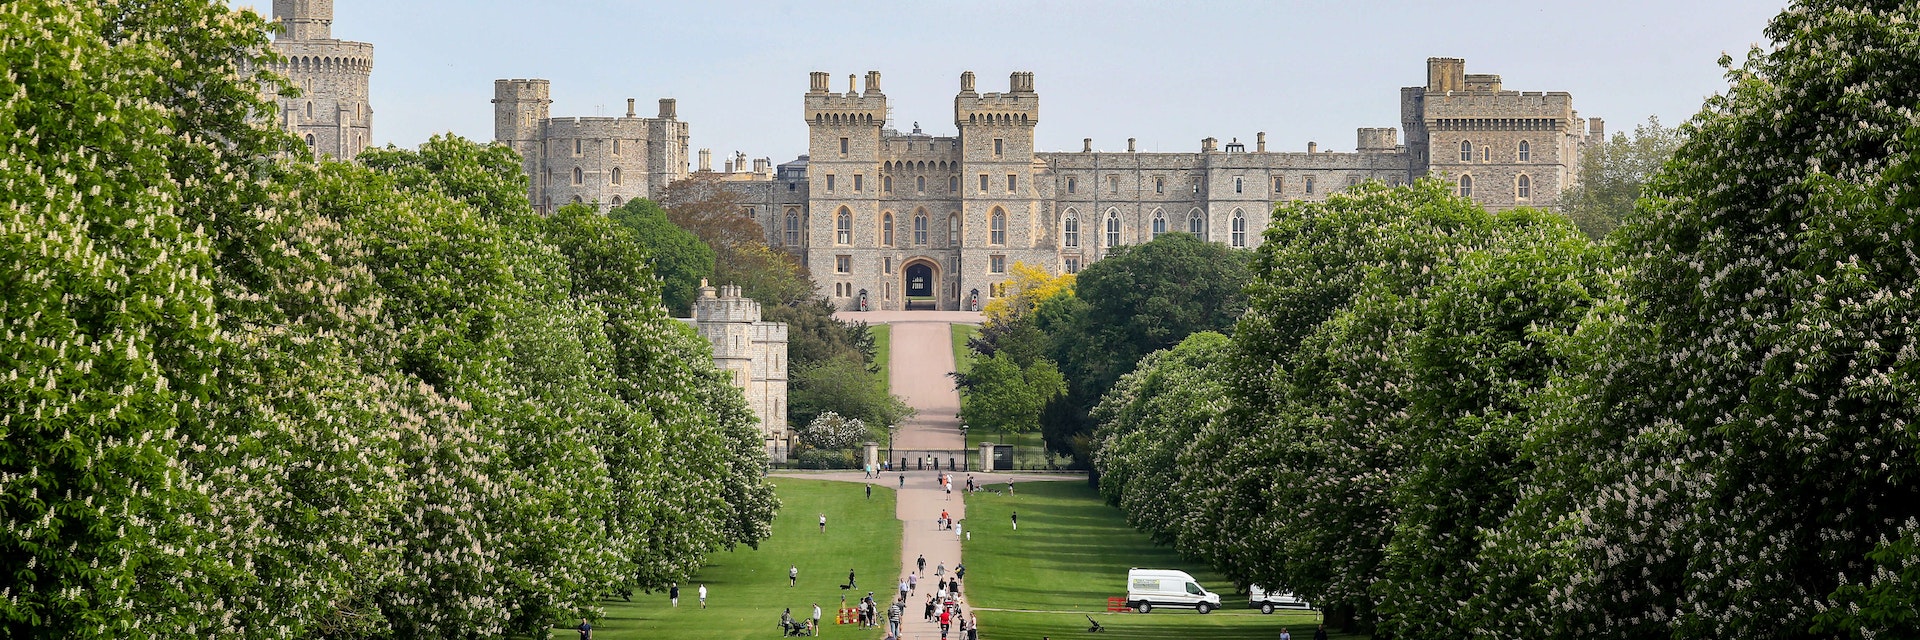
{"x": 1168, "y": 73}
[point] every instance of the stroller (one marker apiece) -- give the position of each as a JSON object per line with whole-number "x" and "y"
{"x": 790, "y": 627}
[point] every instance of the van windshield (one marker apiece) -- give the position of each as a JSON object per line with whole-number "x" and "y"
{"x": 1195, "y": 589}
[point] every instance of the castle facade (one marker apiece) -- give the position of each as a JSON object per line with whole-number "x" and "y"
{"x": 602, "y": 160}
{"x": 891, "y": 220}
{"x": 331, "y": 112}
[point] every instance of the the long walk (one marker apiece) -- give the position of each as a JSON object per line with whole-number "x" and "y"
{"x": 922, "y": 357}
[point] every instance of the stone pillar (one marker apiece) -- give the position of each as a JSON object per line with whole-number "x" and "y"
{"x": 986, "y": 456}
{"x": 872, "y": 457}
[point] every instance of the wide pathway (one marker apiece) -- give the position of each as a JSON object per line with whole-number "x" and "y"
{"x": 921, "y": 359}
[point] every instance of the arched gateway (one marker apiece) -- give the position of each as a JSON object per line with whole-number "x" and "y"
{"x": 922, "y": 285}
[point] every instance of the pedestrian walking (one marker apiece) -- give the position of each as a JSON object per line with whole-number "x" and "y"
{"x": 940, "y": 570}
{"x": 869, "y": 492}
{"x": 585, "y": 629}
{"x": 1284, "y": 635}
{"x": 913, "y": 582}
{"x": 1320, "y": 633}
{"x": 956, "y": 533}
{"x": 960, "y": 571}
{"x": 703, "y": 596}
{"x": 894, "y": 612}
{"x": 922, "y": 560}
{"x": 973, "y": 627}
{"x": 1016, "y": 521}
{"x": 673, "y": 593}
{"x": 816, "y": 615}
{"x": 823, "y": 523}
{"x": 946, "y": 621}
{"x": 903, "y": 590}
{"x": 930, "y": 608}
{"x": 903, "y": 479}
{"x": 793, "y": 575}
{"x": 949, "y": 492}
{"x": 850, "y": 583}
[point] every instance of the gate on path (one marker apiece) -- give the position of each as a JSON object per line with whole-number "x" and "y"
{"x": 935, "y": 460}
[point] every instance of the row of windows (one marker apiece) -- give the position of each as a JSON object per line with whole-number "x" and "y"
{"x": 1522, "y": 186}
{"x": 1523, "y": 152}
{"x": 1308, "y": 184}
{"x": 580, "y": 177}
{"x": 1196, "y": 225}
{"x": 1069, "y": 228}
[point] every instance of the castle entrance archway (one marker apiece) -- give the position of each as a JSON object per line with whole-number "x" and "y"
{"x": 922, "y": 283}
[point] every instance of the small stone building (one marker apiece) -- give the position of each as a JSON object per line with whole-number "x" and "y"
{"x": 601, "y": 160}
{"x": 753, "y": 352}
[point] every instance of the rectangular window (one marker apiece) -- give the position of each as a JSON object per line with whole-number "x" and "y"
{"x": 829, "y": 183}
{"x": 843, "y": 264}
{"x": 888, "y": 264}
{"x": 1309, "y": 185}
{"x": 1279, "y": 185}
{"x": 1073, "y": 264}
{"x": 983, "y": 183}
{"x": 920, "y": 184}
{"x": 576, "y": 146}
{"x": 616, "y": 146}
{"x": 1237, "y": 184}
{"x": 857, "y": 182}
{"x": 1070, "y": 185}
{"x": 998, "y": 147}
{"x": 996, "y": 264}
{"x": 843, "y": 146}
{"x": 1013, "y": 183}
{"x": 1159, "y": 186}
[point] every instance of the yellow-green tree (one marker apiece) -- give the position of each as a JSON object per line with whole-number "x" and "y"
{"x": 1026, "y": 287}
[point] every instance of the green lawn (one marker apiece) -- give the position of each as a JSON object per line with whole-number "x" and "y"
{"x": 962, "y": 358}
{"x": 883, "y": 352}
{"x": 748, "y": 588}
{"x": 1071, "y": 553}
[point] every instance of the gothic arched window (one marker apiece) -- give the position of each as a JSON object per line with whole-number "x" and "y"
{"x": 886, "y": 229}
{"x": 843, "y": 227}
{"x": 1197, "y": 223}
{"x": 1526, "y": 151}
{"x": 953, "y": 230}
{"x": 614, "y": 176}
{"x": 1159, "y": 224}
{"x": 1466, "y": 186}
{"x": 1466, "y": 151}
{"x": 579, "y": 177}
{"x": 920, "y": 228}
{"x": 1113, "y": 229}
{"x": 1523, "y": 187}
{"x": 793, "y": 229}
{"x": 998, "y": 222}
{"x": 1070, "y": 230}
{"x": 1239, "y": 229}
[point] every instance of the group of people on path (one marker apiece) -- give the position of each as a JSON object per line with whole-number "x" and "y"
{"x": 943, "y": 603}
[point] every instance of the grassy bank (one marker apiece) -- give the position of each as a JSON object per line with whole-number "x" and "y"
{"x": 883, "y": 353}
{"x": 748, "y": 588}
{"x": 962, "y": 358}
{"x": 1071, "y": 553}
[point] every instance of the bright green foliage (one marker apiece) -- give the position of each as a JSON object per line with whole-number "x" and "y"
{"x": 678, "y": 257}
{"x": 1134, "y": 301}
{"x": 254, "y": 397}
{"x": 1149, "y": 418}
{"x": 1003, "y": 396}
{"x": 1614, "y": 174}
{"x": 1744, "y": 423}
{"x": 1483, "y": 353}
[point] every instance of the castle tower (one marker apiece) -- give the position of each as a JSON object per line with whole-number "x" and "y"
{"x": 331, "y": 112}
{"x": 1502, "y": 148}
{"x": 520, "y": 121}
{"x": 843, "y": 171}
{"x": 752, "y": 352}
{"x": 1001, "y": 215}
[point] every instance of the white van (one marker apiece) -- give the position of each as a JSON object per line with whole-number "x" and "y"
{"x": 1149, "y": 588}
{"x": 1266, "y": 602}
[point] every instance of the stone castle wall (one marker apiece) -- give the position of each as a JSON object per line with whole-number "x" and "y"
{"x": 331, "y": 111}
{"x": 603, "y": 160}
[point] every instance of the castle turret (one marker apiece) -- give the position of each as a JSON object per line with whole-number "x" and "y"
{"x": 1001, "y": 218}
{"x": 332, "y": 114}
{"x": 844, "y": 146}
{"x": 304, "y": 19}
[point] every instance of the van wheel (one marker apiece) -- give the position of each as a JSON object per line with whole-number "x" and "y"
{"x": 1205, "y": 608}
{"x": 1143, "y": 607}
{"x": 1266, "y": 607}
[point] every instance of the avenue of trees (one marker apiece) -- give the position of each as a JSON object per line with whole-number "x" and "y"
{"x": 251, "y": 395}
{"x": 1435, "y": 421}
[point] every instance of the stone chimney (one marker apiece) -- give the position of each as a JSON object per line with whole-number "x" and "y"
{"x": 1260, "y": 142}
{"x": 706, "y": 160}
{"x": 629, "y": 107}
{"x": 669, "y": 108}
{"x": 1313, "y": 147}
{"x": 1086, "y": 145}
{"x": 1129, "y": 145}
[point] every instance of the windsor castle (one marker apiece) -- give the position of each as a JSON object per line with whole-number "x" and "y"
{"x": 892, "y": 220}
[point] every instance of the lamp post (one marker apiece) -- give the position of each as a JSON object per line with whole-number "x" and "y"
{"x": 890, "y": 429}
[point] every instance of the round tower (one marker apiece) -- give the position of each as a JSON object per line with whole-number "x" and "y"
{"x": 330, "y": 109}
